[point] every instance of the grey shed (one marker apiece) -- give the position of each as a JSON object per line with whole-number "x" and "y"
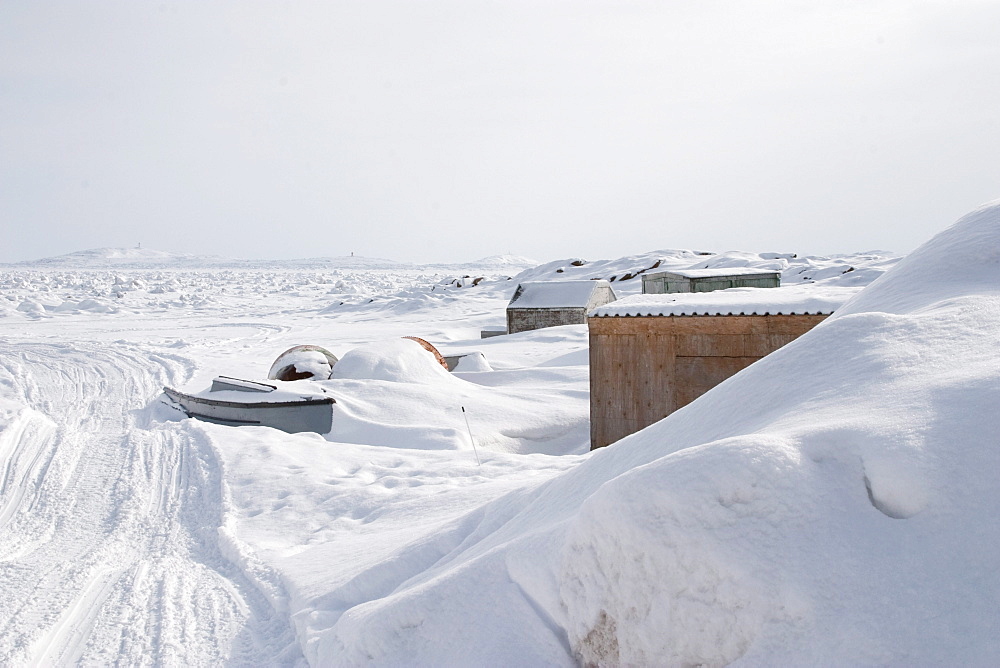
{"x": 707, "y": 280}
{"x": 538, "y": 304}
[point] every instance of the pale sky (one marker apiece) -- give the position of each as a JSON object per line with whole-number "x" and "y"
{"x": 428, "y": 131}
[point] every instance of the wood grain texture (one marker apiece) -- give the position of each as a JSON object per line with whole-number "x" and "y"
{"x": 644, "y": 368}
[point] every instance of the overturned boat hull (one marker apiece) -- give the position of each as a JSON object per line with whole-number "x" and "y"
{"x": 314, "y": 415}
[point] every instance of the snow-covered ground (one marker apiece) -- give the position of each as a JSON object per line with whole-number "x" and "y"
{"x": 843, "y": 516}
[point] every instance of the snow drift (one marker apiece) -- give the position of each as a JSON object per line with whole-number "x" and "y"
{"x": 845, "y": 515}
{"x": 399, "y": 360}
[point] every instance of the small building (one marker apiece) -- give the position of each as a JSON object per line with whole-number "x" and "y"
{"x": 652, "y": 354}
{"x": 538, "y": 304}
{"x": 707, "y": 280}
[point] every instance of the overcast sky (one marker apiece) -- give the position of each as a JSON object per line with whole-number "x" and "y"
{"x": 430, "y": 130}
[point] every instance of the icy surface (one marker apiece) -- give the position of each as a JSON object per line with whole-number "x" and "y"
{"x": 845, "y": 516}
{"x": 809, "y": 299}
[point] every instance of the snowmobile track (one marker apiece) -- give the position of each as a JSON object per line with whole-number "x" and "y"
{"x": 109, "y": 522}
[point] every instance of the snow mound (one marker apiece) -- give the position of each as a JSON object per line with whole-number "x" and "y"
{"x": 400, "y": 360}
{"x": 775, "y": 536}
{"x": 473, "y": 363}
{"x": 963, "y": 260}
{"x": 845, "y": 514}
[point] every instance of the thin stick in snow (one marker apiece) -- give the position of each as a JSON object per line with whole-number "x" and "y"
{"x": 470, "y": 436}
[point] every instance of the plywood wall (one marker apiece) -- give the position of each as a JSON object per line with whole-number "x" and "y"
{"x": 644, "y": 368}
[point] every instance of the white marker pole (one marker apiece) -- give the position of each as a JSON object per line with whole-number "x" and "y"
{"x": 470, "y": 436}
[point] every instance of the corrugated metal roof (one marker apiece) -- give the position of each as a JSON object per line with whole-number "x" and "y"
{"x": 797, "y": 300}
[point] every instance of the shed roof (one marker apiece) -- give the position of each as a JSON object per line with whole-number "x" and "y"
{"x": 797, "y": 300}
{"x": 555, "y": 294}
{"x": 717, "y": 273}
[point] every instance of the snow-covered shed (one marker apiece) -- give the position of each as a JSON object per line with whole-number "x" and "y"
{"x": 707, "y": 280}
{"x": 538, "y": 304}
{"x": 652, "y": 354}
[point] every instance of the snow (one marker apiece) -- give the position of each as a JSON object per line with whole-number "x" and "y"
{"x": 731, "y": 271}
{"x": 505, "y": 260}
{"x": 284, "y": 392}
{"x": 402, "y": 360}
{"x": 833, "y": 503}
{"x": 847, "y": 521}
{"x": 796, "y": 300}
{"x": 472, "y": 363}
{"x": 625, "y": 273}
{"x": 555, "y": 294}
{"x": 146, "y": 258}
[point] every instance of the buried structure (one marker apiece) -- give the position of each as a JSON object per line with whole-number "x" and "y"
{"x": 303, "y": 362}
{"x": 538, "y": 304}
{"x": 653, "y": 354}
{"x": 708, "y": 280}
{"x": 295, "y": 400}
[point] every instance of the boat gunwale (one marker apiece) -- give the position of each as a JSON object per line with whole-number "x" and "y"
{"x": 181, "y": 397}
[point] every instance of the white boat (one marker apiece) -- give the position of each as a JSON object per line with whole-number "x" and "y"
{"x": 247, "y": 402}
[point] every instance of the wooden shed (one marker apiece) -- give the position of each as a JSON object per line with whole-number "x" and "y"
{"x": 707, "y": 280}
{"x": 538, "y": 304}
{"x": 651, "y": 355}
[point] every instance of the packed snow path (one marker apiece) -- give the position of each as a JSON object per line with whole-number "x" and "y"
{"x": 110, "y": 548}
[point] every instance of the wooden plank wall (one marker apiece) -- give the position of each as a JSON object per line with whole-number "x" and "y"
{"x": 644, "y": 368}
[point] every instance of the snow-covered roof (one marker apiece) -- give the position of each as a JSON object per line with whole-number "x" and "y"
{"x": 797, "y": 300}
{"x": 720, "y": 273}
{"x": 555, "y": 294}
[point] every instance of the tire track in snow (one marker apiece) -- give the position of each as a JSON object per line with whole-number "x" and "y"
{"x": 64, "y": 640}
{"x": 26, "y": 449}
{"x": 109, "y": 522}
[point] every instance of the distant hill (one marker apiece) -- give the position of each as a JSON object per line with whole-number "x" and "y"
{"x": 340, "y": 262}
{"x": 507, "y": 261}
{"x": 491, "y": 263}
{"x": 138, "y": 258}
{"x": 123, "y": 257}
{"x": 143, "y": 258}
